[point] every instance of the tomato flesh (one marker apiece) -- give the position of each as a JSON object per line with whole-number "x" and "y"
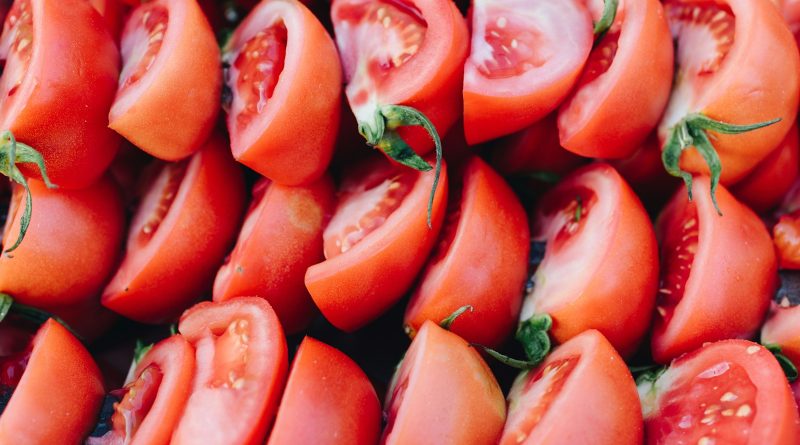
{"x": 16, "y": 48}
{"x": 230, "y": 357}
{"x": 12, "y": 367}
{"x": 156, "y": 203}
{"x": 137, "y": 399}
{"x": 140, "y": 47}
{"x": 677, "y": 257}
{"x": 786, "y": 236}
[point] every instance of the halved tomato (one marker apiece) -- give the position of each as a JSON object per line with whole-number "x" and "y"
{"x": 280, "y": 238}
{"x": 376, "y": 242}
{"x": 729, "y": 392}
{"x": 185, "y": 224}
{"x": 443, "y": 392}
{"x": 285, "y": 82}
{"x": 241, "y": 369}
{"x": 718, "y": 274}
{"x": 601, "y": 253}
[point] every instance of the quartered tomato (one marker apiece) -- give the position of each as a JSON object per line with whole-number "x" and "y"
{"x": 443, "y": 392}
{"x": 786, "y": 236}
{"x": 376, "y": 242}
{"x": 56, "y": 390}
{"x": 169, "y": 89}
{"x": 583, "y": 377}
{"x": 461, "y": 271}
{"x": 730, "y": 392}
{"x": 328, "y": 400}
{"x": 525, "y": 58}
{"x": 718, "y": 272}
{"x": 280, "y": 238}
{"x": 241, "y": 368}
{"x": 180, "y": 233}
{"x": 601, "y": 253}
{"x": 285, "y": 82}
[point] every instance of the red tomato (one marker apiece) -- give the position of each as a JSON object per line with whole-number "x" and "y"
{"x": 281, "y": 237}
{"x": 601, "y": 253}
{"x": 328, "y": 400}
{"x": 443, "y": 392}
{"x": 645, "y": 172}
{"x": 729, "y": 392}
{"x": 525, "y": 58}
{"x": 582, "y": 377}
{"x": 58, "y": 390}
{"x": 783, "y": 329}
{"x": 718, "y": 274}
{"x": 376, "y": 242}
{"x": 624, "y": 88}
{"x": 113, "y": 12}
{"x": 786, "y": 236}
{"x": 59, "y": 77}
{"x": 179, "y": 236}
{"x": 284, "y": 112}
{"x": 791, "y": 15}
{"x": 241, "y": 370}
{"x": 151, "y": 404}
{"x": 462, "y": 271}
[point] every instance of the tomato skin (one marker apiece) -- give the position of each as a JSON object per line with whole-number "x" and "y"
{"x": 285, "y": 238}
{"x": 148, "y": 286}
{"x": 59, "y": 394}
{"x": 783, "y": 329}
{"x": 446, "y": 394}
{"x": 328, "y": 399}
{"x": 645, "y": 172}
{"x": 731, "y": 282}
{"x": 462, "y": 271}
{"x": 291, "y": 142}
{"x": 113, "y": 12}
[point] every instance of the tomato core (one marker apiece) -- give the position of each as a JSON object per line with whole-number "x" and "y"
{"x": 16, "y": 48}
{"x": 140, "y": 48}
{"x": 677, "y": 256}
{"x": 230, "y": 357}
{"x": 566, "y": 216}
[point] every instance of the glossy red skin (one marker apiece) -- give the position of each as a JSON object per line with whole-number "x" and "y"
{"x": 732, "y": 279}
{"x": 764, "y": 187}
{"x": 462, "y": 271}
{"x": 152, "y": 113}
{"x": 450, "y": 394}
{"x": 284, "y": 238}
{"x": 158, "y": 280}
{"x": 598, "y": 382}
{"x": 292, "y": 141}
{"x": 222, "y": 415}
{"x": 645, "y": 172}
{"x": 786, "y": 237}
{"x": 77, "y": 147}
{"x": 59, "y": 395}
{"x": 783, "y": 329}
{"x": 328, "y": 399}
{"x": 355, "y": 287}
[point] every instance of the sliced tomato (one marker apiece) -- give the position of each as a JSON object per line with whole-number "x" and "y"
{"x": 58, "y": 392}
{"x": 376, "y": 242}
{"x": 718, "y": 274}
{"x": 601, "y": 253}
{"x": 443, "y": 392}
{"x": 732, "y": 392}
{"x": 461, "y": 271}
{"x": 179, "y": 236}
{"x": 786, "y": 236}
{"x": 285, "y": 79}
{"x": 241, "y": 369}
{"x": 280, "y": 238}
{"x": 328, "y": 399}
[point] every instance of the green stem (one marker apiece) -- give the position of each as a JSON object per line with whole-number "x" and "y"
{"x": 788, "y": 367}
{"x": 30, "y": 313}
{"x": 607, "y": 19}
{"x": 447, "y": 322}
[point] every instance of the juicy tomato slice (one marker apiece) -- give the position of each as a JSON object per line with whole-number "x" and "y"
{"x": 713, "y": 285}
{"x": 601, "y": 252}
{"x": 328, "y": 399}
{"x": 786, "y": 236}
{"x": 525, "y": 58}
{"x": 583, "y": 376}
{"x": 487, "y": 213}
{"x": 732, "y": 392}
{"x": 241, "y": 369}
{"x": 202, "y": 196}
{"x": 428, "y": 403}
{"x": 58, "y": 395}
{"x": 280, "y": 238}
{"x": 285, "y": 81}
{"x": 376, "y": 242}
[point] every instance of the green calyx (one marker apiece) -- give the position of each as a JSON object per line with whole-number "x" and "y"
{"x": 381, "y": 132}
{"x": 607, "y": 19}
{"x": 691, "y": 131}
{"x": 788, "y": 367}
{"x": 533, "y": 335}
{"x": 30, "y": 313}
{"x": 11, "y": 154}
{"x": 447, "y": 322}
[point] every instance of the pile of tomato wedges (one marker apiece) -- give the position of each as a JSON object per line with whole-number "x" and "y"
{"x": 399, "y": 221}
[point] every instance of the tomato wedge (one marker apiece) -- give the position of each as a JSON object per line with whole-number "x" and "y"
{"x": 180, "y": 233}
{"x": 782, "y": 328}
{"x": 328, "y": 400}
{"x": 601, "y": 253}
{"x": 280, "y": 238}
{"x": 732, "y": 392}
{"x": 285, "y": 82}
{"x": 241, "y": 369}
